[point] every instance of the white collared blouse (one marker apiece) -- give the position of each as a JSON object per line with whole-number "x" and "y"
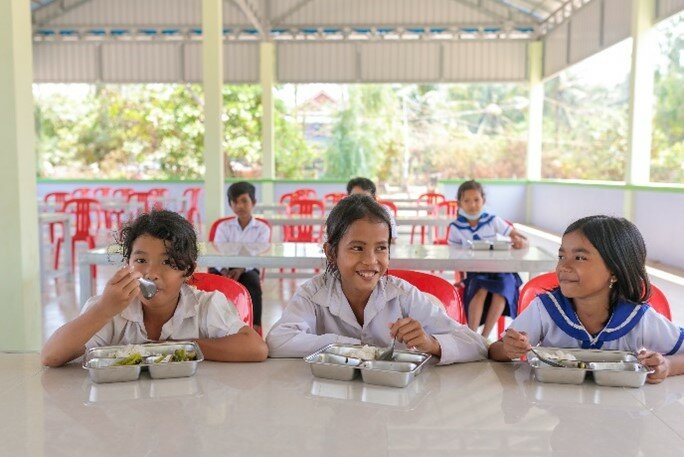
{"x": 319, "y": 314}
{"x": 231, "y": 232}
{"x": 198, "y": 314}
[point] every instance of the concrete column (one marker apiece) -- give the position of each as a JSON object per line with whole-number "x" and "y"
{"x": 212, "y": 80}
{"x": 535, "y": 54}
{"x": 644, "y": 49}
{"x": 20, "y": 326}
{"x": 267, "y": 79}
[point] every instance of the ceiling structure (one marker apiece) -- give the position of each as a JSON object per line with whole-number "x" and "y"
{"x": 314, "y": 20}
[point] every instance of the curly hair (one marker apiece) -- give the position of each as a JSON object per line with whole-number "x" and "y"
{"x": 177, "y": 233}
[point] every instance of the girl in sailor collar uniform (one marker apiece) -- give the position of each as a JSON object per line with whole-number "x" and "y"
{"x": 602, "y": 301}
{"x": 487, "y": 295}
{"x": 354, "y": 301}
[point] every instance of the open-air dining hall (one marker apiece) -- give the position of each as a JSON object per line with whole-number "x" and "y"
{"x": 370, "y": 227}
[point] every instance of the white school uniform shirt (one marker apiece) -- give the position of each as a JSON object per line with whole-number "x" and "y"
{"x": 319, "y": 314}
{"x": 199, "y": 314}
{"x": 489, "y": 227}
{"x": 231, "y": 232}
{"x": 551, "y": 321}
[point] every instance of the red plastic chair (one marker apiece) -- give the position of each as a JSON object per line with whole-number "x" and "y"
{"x": 439, "y": 287}
{"x": 448, "y": 208}
{"x": 85, "y": 210}
{"x": 80, "y": 192}
{"x": 549, "y": 281}
{"x": 432, "y": 199}
{"x": 305, "y": 194}
{"x": 55, "y": 202}
{"x": 233, "y": 290}
{"x": 143, "y": 201}
{"x": 101, "y": 192}
{"x": 157, "y": 197}
{"x": 334, "y": 197}
{"x": 304, "y": 233}
{"x": 390, "y": 205}
{"x": 122, "y": 194}
{"x": 190, "y": 208}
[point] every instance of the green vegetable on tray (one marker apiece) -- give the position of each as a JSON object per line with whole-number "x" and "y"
{"x": 181, "y": 355}
{"x": 133, "y": 359}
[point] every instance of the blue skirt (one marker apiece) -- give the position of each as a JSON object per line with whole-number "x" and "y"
{"x": 504, "y": 284}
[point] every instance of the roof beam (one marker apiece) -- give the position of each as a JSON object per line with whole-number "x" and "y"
{"x": 520, "y": 9}
{"x": 291, "y": 11}
{"x": 54, "y": 10}
{"x": 478, "y": 5}
{"x": 252, "y": 16}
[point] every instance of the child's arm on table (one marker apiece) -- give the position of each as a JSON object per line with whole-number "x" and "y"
{"x": 244, "y": 346}
{"x": 513, "y": 345}
{"x": 519, "y": 240}
{"x": 68, "y": 342}
{"x": 664, "y": 366}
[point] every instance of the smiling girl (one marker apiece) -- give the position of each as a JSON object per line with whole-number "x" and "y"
{"x": 355, "y": 301}
{"x": 602, "y": 301}
{"x": 162, "y": 247}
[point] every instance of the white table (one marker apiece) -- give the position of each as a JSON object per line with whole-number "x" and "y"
{"x": 277, "y": 408}
{"x": 281, "y": 207}
{"x": 44, "y": 220}
{"x": 310, "y": 255}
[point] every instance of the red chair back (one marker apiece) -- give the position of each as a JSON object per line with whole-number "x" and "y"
{"x": 157, "y": 196}
{"x": 190, "y": 208}
{"x": 390, "y": 205}
{"x": 143, "y": 199}
{"x": 431, "y": 198}
{"x": 87, "y": 213}
{"x": 57, "y": 199}
{"x": 334, "y": 197}
{"x": 448, "y": 208}
{"x": 217, "y": 222}
{"x": 549, "y": 281}
{"x": 233, "y": 290}
{"x": 122, "y": 192}
{"x": 304, "y": 233}
{"x": 81, "y": 192}
{"x": 439, "y": 287}
{"x": 101, "y": 192}
{"x": 304, "y": 193}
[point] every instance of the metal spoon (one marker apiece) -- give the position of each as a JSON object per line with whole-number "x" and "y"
{"x": 388, "y": 354}
{"x": 547, "y": 361}
{"x": 147, "y": 287}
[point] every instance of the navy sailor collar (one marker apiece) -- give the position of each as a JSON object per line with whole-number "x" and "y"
{"x": 624, "y": 318}
{"x": 462, "y": 222}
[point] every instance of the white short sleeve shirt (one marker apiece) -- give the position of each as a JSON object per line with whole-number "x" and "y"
{"x": 489, "y": 227}
{"x": 231, "y": 232}
{"x": 319, "y": 314}
{"x": 198, "y": 314}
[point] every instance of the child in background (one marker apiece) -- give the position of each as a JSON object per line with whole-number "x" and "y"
{"x": 244, "y": 229}
{"x": 355, "y": 301}
{"x": 365, "y": 186}
{"x": 601, "y": 302}
{"x": 162, "y": 247}
{"x": 487, "y": 295}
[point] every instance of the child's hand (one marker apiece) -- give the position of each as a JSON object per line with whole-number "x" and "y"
{"x": 518, "y": 241}
{"x": 515, "y": 344}
{"x": 655, "y": 361}
{"x": 411, "y": 333}
{"x": 235, "y": 273}
{"x": 120, "y": 290}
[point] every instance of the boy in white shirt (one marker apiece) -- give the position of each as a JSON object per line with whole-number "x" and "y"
{"x": 244, "y": 229}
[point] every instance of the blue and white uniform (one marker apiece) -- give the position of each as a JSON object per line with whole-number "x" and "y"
{"x": 488, "y": 227}
{"x": 552, "y": 321}
{"x": 319, "y": 314}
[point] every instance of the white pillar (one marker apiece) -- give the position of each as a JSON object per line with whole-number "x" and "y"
{"x": 535, "y": 53}
{"x": 638, "y": 160}
{"x": 267, "y": 79}
{"x": 212, "y": 79}
{"x": 20, "y": 299}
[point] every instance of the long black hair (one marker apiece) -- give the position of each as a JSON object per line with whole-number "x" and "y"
{"x": 343, "y": 215}
{"x": 623, "y": 250}
{"x": 177, "y": 233}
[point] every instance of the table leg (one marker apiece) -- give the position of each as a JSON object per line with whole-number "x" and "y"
{"x": 84, "y": 282}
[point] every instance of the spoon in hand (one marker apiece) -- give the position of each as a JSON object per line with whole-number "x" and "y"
{"x": 147, "y": 287}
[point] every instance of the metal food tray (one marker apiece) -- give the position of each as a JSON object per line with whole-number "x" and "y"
{"x": 100, "y": 362}
{"x": 608, "y": 368}
{"x": 485, "y": 245}
{"x": 333, "y": 362}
